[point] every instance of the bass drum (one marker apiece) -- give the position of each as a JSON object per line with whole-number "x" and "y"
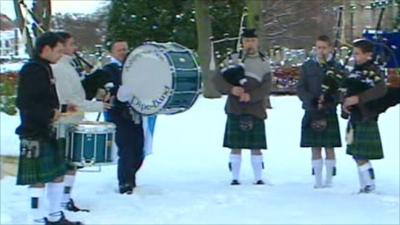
{"x": 161, "y": 78}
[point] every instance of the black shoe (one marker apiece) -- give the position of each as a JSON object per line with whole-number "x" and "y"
{"x": 70, "y": 206}
{"x": 235, "y": 182}
{"x": 259, "y": 182}
{"x": 367, "y": 189}
{"x": 61, "y": 221}
{"x": 130, "y": 190}
{"x": 126, "y": 189}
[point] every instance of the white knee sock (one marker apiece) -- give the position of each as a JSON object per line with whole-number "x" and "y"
{"x": 36, "y": 203}
{"x": 234, "y": 165}
{"x": 330, "y": 166}
{"x": 367, "y": 174}
{"x": 55, "y": 196}
{"x": 317, "y": 172}
{"x": 257, "y": 164}
{"x": 361, "y": 179}
{"x": 68, "y": 184}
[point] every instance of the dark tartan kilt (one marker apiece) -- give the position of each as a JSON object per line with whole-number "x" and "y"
{"x": 366, "y": 141}
{"x": 329, "y": 138}
{"x": 236, "y": 138}
{"x": 42, "y": 169}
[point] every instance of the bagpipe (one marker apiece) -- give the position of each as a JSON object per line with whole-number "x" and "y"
{"x": 233, "y": 73}
{"x": 387, "y": 55}
{"x": 339, "y": 78}
{"x": 331, "y": 83}
{"x": 99, "y": 79}
{"x": 233, "y": 70}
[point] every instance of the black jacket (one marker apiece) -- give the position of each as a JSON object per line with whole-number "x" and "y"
{"x": 36, "y": 100}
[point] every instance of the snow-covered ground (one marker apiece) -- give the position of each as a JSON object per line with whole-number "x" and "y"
{"x": 186, "y": 180}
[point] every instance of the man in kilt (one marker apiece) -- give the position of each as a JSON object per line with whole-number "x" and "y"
{"x": 245, "y": 108}
{"x": 363, "y": 138}
{"x": 319, "y": 107}
{"x": 70, "y": 91}
{"x": 40, "y": 161}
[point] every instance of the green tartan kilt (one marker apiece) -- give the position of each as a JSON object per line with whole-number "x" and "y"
{"x": 329, "y": 138}
{"x": 46, "y": 166}
{"x": 236, "y": 138}
{"x": 366, "y": 142}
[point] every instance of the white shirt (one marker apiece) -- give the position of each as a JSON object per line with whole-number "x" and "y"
{"x": 70, "y": 90}
{"x": 114, "y": 60}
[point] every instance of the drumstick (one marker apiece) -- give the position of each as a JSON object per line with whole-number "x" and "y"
{"x": 98, "y": 116}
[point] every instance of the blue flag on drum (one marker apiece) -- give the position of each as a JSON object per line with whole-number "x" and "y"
{"x": 149, "y": 123}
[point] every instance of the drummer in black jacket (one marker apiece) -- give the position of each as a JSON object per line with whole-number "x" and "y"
{"x": 40, "y": 160}
{"x": 129, "y": 135}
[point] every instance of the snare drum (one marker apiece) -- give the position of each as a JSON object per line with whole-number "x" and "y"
{"x": 90, "y": 143}
{"x": 161, "y": 78}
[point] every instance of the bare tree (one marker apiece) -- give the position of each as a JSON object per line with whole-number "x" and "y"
{"x": 204, "y": 32}
{"x": 42, "y": 11}
{"x": 295, "y": 23}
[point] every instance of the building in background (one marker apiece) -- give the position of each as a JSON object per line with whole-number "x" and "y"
{"x": 11, "y": 43}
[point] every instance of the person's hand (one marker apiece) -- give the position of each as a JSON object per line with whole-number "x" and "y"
{"x": 88, "y": 69}
{"x": 237, "y": 91}
{"x": 107, "y": 98}
{"x": 72, "y": 108}
{"x": 100, "y": 94}
{"x": 57, "y": 115}
{"x": 106, "y": 106}
{"x": 350, "y": 101}
{"x": 245, "y": 97}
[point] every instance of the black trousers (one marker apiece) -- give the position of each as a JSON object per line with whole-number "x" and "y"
{"x": 129, "y": 138}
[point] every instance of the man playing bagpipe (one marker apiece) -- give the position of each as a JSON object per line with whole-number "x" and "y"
{"x": 70, "y": 91}
{"x": 320, "y": 126}
{"x": 364, "y": 85}
{"x": 247, "y": 82}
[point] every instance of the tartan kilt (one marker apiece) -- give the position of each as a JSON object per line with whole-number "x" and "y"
{"x": 329, "y": 138}
{"x": 366, "y": 141}
{"x": 44, "y": 168}
{"x": 236, "y": 138}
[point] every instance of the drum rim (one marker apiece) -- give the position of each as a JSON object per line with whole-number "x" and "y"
{"x": 93, "y": 128}
{"x": 94, "y": 132}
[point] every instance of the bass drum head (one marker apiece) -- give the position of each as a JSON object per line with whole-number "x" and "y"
{"x": 147, "y": 72}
